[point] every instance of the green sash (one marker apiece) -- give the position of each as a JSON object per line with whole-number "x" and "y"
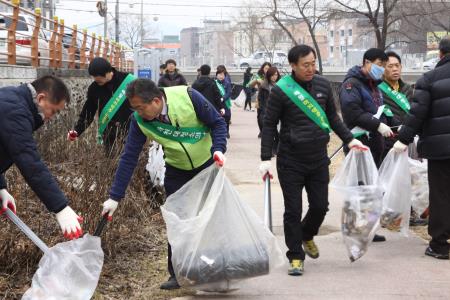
{"x": 222, "y": 93}
{"x": 112, "y": 107}
{"x": 305, "y": 102}
{"x": 190, "y": 135}
{"x": 399, "y": 98}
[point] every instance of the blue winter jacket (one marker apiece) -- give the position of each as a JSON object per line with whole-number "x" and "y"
{"x": 19, "y": 118}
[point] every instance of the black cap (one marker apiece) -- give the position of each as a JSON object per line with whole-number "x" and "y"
{"x": 99, "y": 67}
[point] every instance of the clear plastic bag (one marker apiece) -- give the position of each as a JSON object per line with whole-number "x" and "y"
{"x": 216, "y": 238}
{"x": 419, "y": 184}
{"x": 70, "y": 270}
{"x": 395, "y": 178}
{"x": 356, "y": 185}
{"x": 156, "y": 165}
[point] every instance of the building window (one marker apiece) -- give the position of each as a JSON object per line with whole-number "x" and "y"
{"x": 342, "y": 32}
{"x": 342, "y": 49}
{"x": 350, "y": 32}
{"x": 331, "y": 33}
{"x": 331, "y": 49}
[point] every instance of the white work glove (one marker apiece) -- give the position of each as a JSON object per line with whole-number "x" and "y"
{"x": 385, "y": 130}
{"x": 219, "y": 158}
{"x": 222, "y": 111}
{"x": 72, "y": 135}
{"x": 265, "y": 168}
{"x": 69, "y": 222}
{"x": 357, "y": 145}
{"x": 7, "y": 201}
{"x": 399, "y": 147}
{"x": 109, "y": 207}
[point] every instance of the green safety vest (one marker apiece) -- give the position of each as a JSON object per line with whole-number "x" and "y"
{"x": 181, "y": 155}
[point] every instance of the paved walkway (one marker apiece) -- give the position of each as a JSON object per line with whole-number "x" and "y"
{"x": 396, "y": 269}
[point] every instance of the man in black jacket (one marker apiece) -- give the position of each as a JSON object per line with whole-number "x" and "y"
{"x": 208, "y": 88}
{"x": 23, "y": 110}
{"x": 172, "y": 76}
{"x": 302, "y": 159}
{"x": 106, "y": 81}
{"x": 430, "y": 118}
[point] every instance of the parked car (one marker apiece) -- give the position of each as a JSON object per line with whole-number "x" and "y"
{"x": 24, "y": 31}
{"x": 430, "y": 64}
{"x": 277, "y": 58}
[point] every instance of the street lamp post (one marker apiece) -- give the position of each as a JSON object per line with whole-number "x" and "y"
{"x": 142, "y": 23}
{"x": 105, "y": 21}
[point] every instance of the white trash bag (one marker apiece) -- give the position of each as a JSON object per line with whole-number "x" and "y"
{"x": 356, "y": 185}
{"x": 419, "y": 183}
{"x": 68, "y": 271}
{"x": 156, "y": 165}
{"x": 216, "y": 238}
{"x": 240, "y": 100}
{"x": 395, "y": 178}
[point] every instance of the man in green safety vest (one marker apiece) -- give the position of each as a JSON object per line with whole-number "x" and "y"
{"x": 189, "y": 128}
{"x": 107, "y": 96}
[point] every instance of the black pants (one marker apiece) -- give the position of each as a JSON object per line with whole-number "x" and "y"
{"x": 248, "y": 98}
{"x": 260, "y": 118}
{"x": 439, "y": 219}
{"x": 314, "y": 177}
{"x": 174, "y": 179}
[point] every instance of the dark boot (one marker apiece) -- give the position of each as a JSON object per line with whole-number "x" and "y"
{"x": 379, "y": 238}
{"x": 170, "y": 284}
{"x": 432, "y": 253}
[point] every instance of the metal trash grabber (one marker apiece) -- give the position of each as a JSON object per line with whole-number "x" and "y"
{"x": 267, "y": 202}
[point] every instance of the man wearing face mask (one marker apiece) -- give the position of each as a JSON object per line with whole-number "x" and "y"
{"x": 23, "y": 110}
{"x": 361, "y": 100}
{"x": 109, "y": 85}
{"x": 190, "y": 130}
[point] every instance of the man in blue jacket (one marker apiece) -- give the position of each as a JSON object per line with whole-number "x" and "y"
{"x": 360, "y": 101}
{"x": 189, "y": 128}
{"x": 23, "y": 110}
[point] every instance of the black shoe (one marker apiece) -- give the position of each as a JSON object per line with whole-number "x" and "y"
{"x": 431, "y": 253}
{"x": 228, "y": 135}
{"x": 259, "y": 135}
{"x": 418, "y": 222}
{"x": 379, "y": 238}
{"x": 171, "y": 284}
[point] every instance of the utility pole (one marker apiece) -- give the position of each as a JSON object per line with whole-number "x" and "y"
{"x": 117, "y": 21}
{"x": 105, "y": 24}
{"x": 142, "y": 23}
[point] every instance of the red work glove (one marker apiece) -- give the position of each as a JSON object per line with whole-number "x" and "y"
{"x": 7, "y": 201}
{"x": 219, "y": 158}
{"x": 72, "y": 135}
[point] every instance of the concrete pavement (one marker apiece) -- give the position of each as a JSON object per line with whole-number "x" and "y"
{"x": 396, "y": 269}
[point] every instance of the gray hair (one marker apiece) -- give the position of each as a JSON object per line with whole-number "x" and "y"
{"x": 144, "y": 89}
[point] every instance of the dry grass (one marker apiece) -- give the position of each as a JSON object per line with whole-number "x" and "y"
{"x": 134, "y": 243}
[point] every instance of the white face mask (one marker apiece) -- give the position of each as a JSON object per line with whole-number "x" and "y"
{"x": 376, "y": 72}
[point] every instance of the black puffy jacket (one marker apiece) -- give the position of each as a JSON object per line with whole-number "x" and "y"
{"x": 208, "y": 88}
{"x": 430, "y": 113}
{"x": 19, "y": 119}
{"x": 97, "y": 98}
{"x": 168, "y": 80}
{"x": 300, "y": 138}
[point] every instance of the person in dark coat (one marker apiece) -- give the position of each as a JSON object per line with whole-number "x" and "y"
{"x": 248, "y": 90}
{"x": 172, "y": 76}
{"x": 24, "y": 109}
{"x": 223, "y": 78}
{"x": 208, "y": 88}
{"x": 106, "y": 81}
{"x": 271, "y": 77}
{"x": 361, "y": 98}
{"x": 302, "y": 160}
{"x": 162, "y": 70}
{"x": 256, "y": 82}
{"x": 430, "y": 118}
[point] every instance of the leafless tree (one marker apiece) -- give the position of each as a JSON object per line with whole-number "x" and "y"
{"x": 304, "y": 11}
{"x": 130, "y": 31}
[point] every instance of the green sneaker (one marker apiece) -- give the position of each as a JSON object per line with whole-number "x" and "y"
{"x": 311, "y": 249}
{"x": 296, "y": 268}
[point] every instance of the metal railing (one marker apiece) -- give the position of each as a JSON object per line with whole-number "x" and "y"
{"x": 38, "y": 46}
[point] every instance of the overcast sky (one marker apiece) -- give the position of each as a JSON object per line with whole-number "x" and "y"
{"x": 172, "y": 15}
